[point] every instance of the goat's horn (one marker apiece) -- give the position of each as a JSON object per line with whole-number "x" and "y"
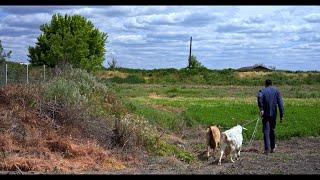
{"x": 244, "y": 128}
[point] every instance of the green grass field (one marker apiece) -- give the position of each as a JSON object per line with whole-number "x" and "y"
{"x": 175, "y": 107}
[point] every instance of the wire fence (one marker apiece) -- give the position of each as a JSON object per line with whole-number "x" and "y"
{"x": 52, "y": 108}
{"x": 14, "y": 73}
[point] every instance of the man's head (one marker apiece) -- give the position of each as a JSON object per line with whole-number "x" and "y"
{"x": 268, "y": 82}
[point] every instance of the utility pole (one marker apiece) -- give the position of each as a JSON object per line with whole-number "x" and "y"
{"x": 6, "y": 74}
{"x": 190, "y": 51}
{"x": 27, "y": 73}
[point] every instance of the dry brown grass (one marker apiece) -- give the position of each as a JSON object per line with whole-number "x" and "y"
{"x": 155, "y": 96}
{"x": 251, "y": 74}
{"x": 30, "y": 142}
{"x": 111, "y": 74}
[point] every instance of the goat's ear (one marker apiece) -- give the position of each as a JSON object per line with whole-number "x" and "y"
{"x": 218, "y": 125}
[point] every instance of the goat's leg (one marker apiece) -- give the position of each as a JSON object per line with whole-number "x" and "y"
{"x": 208, "y": 151}
{"x": 231, "y": 158}
{"x": 221, "y": 154}
{"x": 214, "y": 151}
{"x": 239, "y": 153}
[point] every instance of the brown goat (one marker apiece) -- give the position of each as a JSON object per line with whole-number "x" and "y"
{"x": 213, "y": 139}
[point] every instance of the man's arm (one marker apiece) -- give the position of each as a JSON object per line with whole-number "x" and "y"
{"x": 280, "y": 105}
{"x": 260, "y": 103}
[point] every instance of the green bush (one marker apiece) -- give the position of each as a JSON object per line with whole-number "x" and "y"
{"x": 66, "y": 92}
{"x": 160, "y": 147}
{"x": 83, "y": 101}
{"x": 131, "y": 79}
{"x": 194, "y": 63}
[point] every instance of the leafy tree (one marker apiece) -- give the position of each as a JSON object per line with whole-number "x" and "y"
{"x": 3, "y": 54}
{"x": 69, "y": 39}
{"x": 194, "y": 63}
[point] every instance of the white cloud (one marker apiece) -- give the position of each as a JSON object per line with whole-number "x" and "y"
{"x": 158, "y": 36}
{"x": 170, "y": 18}
{"x": 126, "y": 38}
{"x": 313, "y": 18}
{"x": 27, "y": 20}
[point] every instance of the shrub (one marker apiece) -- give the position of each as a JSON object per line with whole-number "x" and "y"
{"x": 66, "y": 92}
{"x": 131, "y": 79}
{"x": 194, "y": 63}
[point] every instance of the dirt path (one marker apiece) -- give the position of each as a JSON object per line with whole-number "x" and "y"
{"x": 294, "y": 156}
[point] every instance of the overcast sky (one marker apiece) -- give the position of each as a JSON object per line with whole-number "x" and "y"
{"x": 287, "y": 37}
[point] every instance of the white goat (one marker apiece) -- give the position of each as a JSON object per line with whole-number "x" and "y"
{"x": 231, "y": 142}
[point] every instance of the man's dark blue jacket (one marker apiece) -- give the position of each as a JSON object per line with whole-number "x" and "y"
{"x": 268, "y": 100}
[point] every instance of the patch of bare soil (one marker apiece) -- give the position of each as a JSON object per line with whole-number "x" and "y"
{"x": 293, "y": 156}
{"x": 155, "y": 96}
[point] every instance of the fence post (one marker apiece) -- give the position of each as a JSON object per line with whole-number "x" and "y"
{"x": 44, "y": 72}
{"x": 27, "y": 73}
{"x": 6, "y": 74}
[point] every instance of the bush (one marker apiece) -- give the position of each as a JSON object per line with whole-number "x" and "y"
{"x": 66, "y": 92}
{"x": 80, "y": 100}
{"x": 194, "y": 63}
{"x": 131, "y": 79}
{"x": 76, "y": 98}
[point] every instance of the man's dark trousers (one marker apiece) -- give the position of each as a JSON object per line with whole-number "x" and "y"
{"x": 269, "y": 136}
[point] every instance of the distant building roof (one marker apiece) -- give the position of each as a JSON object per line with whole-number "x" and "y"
{"x": 254, "y": 67}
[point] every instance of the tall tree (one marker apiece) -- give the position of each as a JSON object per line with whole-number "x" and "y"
{"x": 69, "y": 39}
{"x": 3, "y": 54}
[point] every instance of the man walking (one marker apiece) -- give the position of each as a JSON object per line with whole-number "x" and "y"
{"x": 268, "y": 100}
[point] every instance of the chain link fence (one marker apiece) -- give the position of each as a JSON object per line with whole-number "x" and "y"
{"x": 19, "y": 73}
{"x": 61, "y": 104}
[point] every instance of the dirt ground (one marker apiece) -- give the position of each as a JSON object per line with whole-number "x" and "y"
{"x": 294, "y": 156}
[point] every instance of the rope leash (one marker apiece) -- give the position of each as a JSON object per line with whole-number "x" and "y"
{"x": 248, "y": 123}
{"x": 254, "y": 131}
{"x": 250, "y": 142}
{"x": 221, "y": 127}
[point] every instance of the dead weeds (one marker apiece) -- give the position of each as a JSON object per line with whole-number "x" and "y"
{"x": 30, "y": 142}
